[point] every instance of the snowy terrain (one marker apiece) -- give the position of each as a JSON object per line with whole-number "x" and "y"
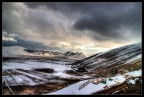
{"x": 91, "y": 87}
{"x": 26, "y": 74}
{"x": 30, "y": 65}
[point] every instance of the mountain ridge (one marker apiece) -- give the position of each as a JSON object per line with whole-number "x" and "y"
{"x": 116, "y": 56}
{"x": 16, "y": 51}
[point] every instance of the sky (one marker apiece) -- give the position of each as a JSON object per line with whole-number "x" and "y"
{"x": 88, "y": 27}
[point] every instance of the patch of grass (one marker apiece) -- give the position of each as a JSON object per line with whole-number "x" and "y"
{"x": 103, "y": 81}
{"x": 110, "y": 79}
{"x": 46, "y": 70}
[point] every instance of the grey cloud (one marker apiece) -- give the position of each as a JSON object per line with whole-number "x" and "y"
{"x": 24, "y": 43}
{"x": 19, "y": 41}
{"x": 104, "y": 19}
{"x": 22, "y": 20}
{"x": 9, "y": 43}
{"x": 31, "y": 44}
{"x": 85, "y": 7}
{"x": 44, "y": 22}
{"x": 40, "y": 22}
{"x": 107, "y": 26}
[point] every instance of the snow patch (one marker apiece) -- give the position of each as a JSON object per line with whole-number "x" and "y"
{"x": 91, "y": 88}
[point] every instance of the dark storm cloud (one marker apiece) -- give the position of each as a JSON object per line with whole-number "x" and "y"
{"x": 82, "y": 7}
{"x": 109, "y": 26}
{"x": 65, "y": 7}
{"x": 9, "y": 43}
{"x": 106, "y": 20}
{"x": 31, "y": 44}
{"x": 25, "y": 44}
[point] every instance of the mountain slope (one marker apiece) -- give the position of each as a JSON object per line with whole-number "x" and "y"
{"x": 117, "y": 56}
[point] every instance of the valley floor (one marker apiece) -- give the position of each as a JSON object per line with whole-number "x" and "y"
{"x": 51, "y": 77}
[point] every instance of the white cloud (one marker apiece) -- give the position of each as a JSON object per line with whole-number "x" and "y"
{"x": 8, "y": 39}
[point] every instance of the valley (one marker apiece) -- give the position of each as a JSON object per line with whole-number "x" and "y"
{"x": 104, "y": 73}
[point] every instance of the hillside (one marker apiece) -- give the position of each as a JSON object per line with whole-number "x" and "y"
{"x": 115, "y": 57}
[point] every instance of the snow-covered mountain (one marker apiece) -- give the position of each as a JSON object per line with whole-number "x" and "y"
{"x": 14, "y": 51}
{"x": 44, "y": 52}
{"x": 68, "y": 54}
{"x": 75, "y": 54}
{"x": 115, "y": 57}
